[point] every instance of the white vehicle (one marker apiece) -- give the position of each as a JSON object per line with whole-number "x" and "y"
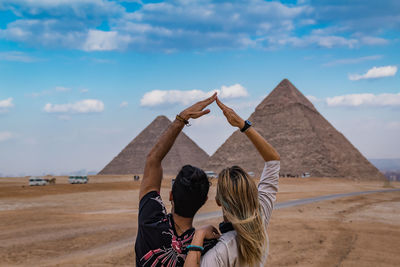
{"x": 37, "y": 181}
{"x": 78, "y": 180}
{"x": 305, "y": 175}
{"x": 251, "y": 174}
{"x": 211, "y": 174}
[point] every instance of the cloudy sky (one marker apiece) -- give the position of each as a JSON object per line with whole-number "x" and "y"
{"x": 80, "y": 78}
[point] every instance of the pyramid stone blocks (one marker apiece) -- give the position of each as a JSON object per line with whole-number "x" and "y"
{"x": 131, "y": 159}
{"x": 306, "y": 141}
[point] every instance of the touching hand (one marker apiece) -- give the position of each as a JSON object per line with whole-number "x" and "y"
{"x": 196, "y": 110}
{"x": 234, "y": 119}
{"x": 208, "y": 232}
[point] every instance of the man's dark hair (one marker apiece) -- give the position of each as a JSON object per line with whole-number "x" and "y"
{"x": 189, "y": 191}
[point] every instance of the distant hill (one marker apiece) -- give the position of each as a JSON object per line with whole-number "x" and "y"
{"x": 386, "y": 164}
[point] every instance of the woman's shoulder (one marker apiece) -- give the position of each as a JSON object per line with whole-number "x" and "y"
{"x": 221, "y": 254}
{"x": 228, "y": 238}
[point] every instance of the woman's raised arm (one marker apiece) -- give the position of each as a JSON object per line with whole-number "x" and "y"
{"x": 264, "y": 148}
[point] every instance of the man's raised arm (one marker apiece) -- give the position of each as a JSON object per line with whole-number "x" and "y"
{"x": 153, "y": 171}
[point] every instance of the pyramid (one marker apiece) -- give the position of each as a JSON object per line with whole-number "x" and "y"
{"x": 131, "y": 159}
{"x": 305, "y": 140}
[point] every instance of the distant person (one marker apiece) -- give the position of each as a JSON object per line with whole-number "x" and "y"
{"x": 162, "y": 238}
{"x": 246, "y": 209}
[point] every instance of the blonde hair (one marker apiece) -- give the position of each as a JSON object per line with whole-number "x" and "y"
{"x": 238, "y": 196}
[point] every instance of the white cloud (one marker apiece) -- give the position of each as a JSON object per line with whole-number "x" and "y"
{"x": 62, "y": 89}
{"x": 166, "y": 26}
{"x": 233, "y": 91}
{"x": 160, "y": 97}
{"x": 104, "y": 41}
{"x": 370, "y": 40}
{"x": 48, "y": 92}
{"x": 369, "y": 100}
{"x": 179, "y": 25}
{"x": 45, "y": 32}
{"x": 356, "y": 60}
{"x": 16, "y": 56}
{"x": 7, "y": 103}
{"x": 324, "y": 41}
{"x": 307, "y": 22}
{"x": 333, "y": 41}
{"x": 375, "y": 72}
{"x": 79, "y": 9}
{"x": 123, "y": 104}
{"x": 4, "y": 136}
{"x": 83, "y": 106}
{"x": 84, "y": 91}
{"x": 37, "y": 94}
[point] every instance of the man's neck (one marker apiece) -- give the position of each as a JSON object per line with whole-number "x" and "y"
{"x": 182, "y": 224}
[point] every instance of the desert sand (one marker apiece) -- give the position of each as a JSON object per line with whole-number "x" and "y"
{"x": 95, "y": 224}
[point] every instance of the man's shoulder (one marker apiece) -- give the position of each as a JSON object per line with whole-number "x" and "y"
{"x": 152, "y": 209}
{"x": 152, "y": 195}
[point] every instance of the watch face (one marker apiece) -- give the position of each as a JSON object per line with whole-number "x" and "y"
{"x": 247, "y": 125}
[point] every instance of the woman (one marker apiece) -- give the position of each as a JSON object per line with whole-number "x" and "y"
{"x": 246, "y": 209}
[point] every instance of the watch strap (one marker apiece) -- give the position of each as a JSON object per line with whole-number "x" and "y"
{"x": 247, "y": 125}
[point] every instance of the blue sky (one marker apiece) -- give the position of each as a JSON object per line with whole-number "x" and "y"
{"x": 79, "y": 79}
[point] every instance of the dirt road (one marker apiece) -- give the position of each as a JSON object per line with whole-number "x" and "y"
{"x": 95, "y": 224}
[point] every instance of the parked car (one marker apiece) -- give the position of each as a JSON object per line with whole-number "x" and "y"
{"x": 211, "y": 174}
{"x": 78, "y": 179}
{"x": 251, "y": 174}
{"x": 34, "y": 180}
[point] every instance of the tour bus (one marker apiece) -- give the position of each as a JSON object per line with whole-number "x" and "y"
{"x": 34, "y": 180}
{"x": 251, "y": 174}
{"x": 211, "y": 174}
{"x": 78, "y": 179}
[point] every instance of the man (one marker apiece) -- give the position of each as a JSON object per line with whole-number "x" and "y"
{"x": 163, "y": 238}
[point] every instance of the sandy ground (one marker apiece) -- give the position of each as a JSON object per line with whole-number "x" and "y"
{"x": 95, "y": 224}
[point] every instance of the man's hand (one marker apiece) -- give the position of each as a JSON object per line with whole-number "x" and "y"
{"x": 234, "y": 119}
{"x": 153, "y": 170}
{"x": 196, "y": 110}
{"x": 208, "y": 232}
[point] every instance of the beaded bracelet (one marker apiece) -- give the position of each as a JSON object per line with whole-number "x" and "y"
{"x": 195, "y": 248}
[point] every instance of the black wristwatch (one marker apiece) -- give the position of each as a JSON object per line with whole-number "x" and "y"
{"x": 246, "y": 126}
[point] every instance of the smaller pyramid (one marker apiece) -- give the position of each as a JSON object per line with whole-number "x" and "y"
{"x": 132, "y": 158}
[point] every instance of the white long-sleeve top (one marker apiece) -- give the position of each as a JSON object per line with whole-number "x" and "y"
{"x": 225, "y": 253}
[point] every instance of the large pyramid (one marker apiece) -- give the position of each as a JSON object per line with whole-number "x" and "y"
{"x": 306, "y": 141}
{"x": 132, "y": 158}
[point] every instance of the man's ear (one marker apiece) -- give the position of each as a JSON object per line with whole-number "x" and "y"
{"x": 170, "y": 196}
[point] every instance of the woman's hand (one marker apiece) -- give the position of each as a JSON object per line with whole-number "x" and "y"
{"x": 234, "y": 119}
{"x": 208, "y": 232}
{"x": 196, "y": 110}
